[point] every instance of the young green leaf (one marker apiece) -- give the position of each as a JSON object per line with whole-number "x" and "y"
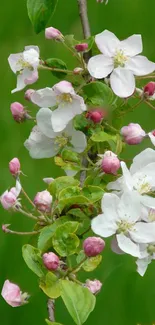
{"x": 58, "y": 64}
{"x": 101, "y": 137}
{"x": 70, "y": 155}
{"x": 93, "y": 193}
{"x": 32, "y": 257}
{"x": 78, "y": 300}
{"x": 92, "y": 263}
{"x": 60, "y": 183}
{"x": 98, "y": 94}
{"x": 50, "y": 284}
{"x": 39, "y": 12}
{"x": 67, "y": 202}
{"x": 69, "y": 192}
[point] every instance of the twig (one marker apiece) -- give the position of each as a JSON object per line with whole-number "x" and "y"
{"x": 51, "y": 307}
{"x": 82, "y": 4}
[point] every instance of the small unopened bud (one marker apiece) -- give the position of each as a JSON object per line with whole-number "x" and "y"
{"x": 14, "y": 166}
{"x": 43, "y": 201}
{"x": 93, "y": 246}
{"x": 81, "y": 47}
{"x": 5, "y": 228}
{"x": 133, "y": 134}
{"x": 149, "y": 89}
{"x": 18, "y": 112}
{"x": 28, "y": 94}
{"x": 110, "y": 163}
{"x": 8, "y": 200}
{"x": 53, "y": 33}
{"x": 12, "y": 294}
{"x": 94, "y": 286}
{"x": 78, "y": 70}
{"x": 51, "y": 261}
{"x": 96, "y": 115}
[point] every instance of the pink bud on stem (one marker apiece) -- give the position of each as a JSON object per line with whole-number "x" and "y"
{"x": 81, "y": 47}
{"x": 18, "y": 112}
{"x": 133, "y": 134}
{"x": 93, "y": 246}
{"x": 51, "y": 261}
{"x": 110, "y": 163}
{"x": 12, "y": 294}
{"x": 43, "y": 201}
{"x": 149, "y": 89}
{"x": 53, "y": 33}
{"x": 14, "y": 166}
{"x": 94, "y": 286}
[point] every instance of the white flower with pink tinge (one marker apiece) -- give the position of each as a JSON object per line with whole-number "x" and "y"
{"x": 68, "y": 104}
{"x": 121, "y": 216}
{"x": 120, "y": 60}
{"x": 25, "y": 64}
{"x": 43, "y": 142}
{"x": 12, "y": 294}
{"x": 9, "y": 199}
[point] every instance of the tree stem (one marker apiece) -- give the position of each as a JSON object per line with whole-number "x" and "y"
{"x": 51, "y": 307}
{"x": 84, "y": 17}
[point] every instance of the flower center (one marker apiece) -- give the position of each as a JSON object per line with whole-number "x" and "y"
{"x": 62, "y": 140}
{"x": 119, "y": 59}
{"x": 65, "y": 98}
{"x": 124, "y": 227}
{"x": 23, "y": 65}
{"x": 151, "y": 249}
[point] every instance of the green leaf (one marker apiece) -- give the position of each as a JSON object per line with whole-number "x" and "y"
{"x": 98, "y": 94}
{"x": 101, "y": 137}
{"x": 93, "y": 193}
{"x": 77, "y": 213}
{"x": 59, "y": 64}
{"x": 45, "y": 237}
{"x": 80, "y": 122}
{"x": 69, "y": 192}
{"x": 50, "y": 284}
{"x": 70, "y": 155}
{"x": 65, "y": 242}
{"x": 119, "y": 144}
{"x": 92, "y": 263}
{"x": 62, "y": 182}
{"x": 51, "y": 323}
{"x": 66, "y": 203}
{"x": 32, "y": 257}
{"x": 79, "y": 301}
{"x": 39, "y": 12}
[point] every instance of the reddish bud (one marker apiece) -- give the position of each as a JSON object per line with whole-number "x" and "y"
{"x": 14, "y": 166}
{"x": 110, "y": 163}
{"x": 43, "y": 201}
{"x": 149, "y": 89}
{"x": 78, "y": 70}
{"x": 53, "y": 33}
{"x": 81, "y": 47}
{"x": 28, "y": 94}
{"x": 51, "y": 261}
{"x": 94, "y": 286}
{"x": 93, "y": 246}
{"x": 18, "y": 112}
{"x": 96, "y": 115}
{"x": 133, "y": 134}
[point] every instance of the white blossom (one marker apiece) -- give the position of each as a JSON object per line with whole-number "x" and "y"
{"x": 121, "y": 216}
{"x": 25, "y": 65}
{"x": 147, "y": 255}
{"x": 120, "y": 60}
{"x": 43, "y": 142}
{"x": 62, "y": 96}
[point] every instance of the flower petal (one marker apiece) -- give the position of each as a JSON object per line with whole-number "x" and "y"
{"x": 63, "y": 87}
{"x": 39, "y": 146}
{"x": 78, "y": 141}
{"x": 109, "y": 205}
{"x": 127, "y": 211}
{"x": 152, "y": 138}
{"x": 143, "y": 232}
{"x": 100, "y": 66}
{"x": 103, "y": 227}
{"x": 132, "y": 45}
{"x": 21, "y": 80}
{"x": 140, "y": 65}
{"x": 107, "y": 43}
{"x": 44, "y": 97}
{"x": 14, "y": 60}
{"x": 43, "y": 118}
{"x": 127, "y": 246}
{"x": 142, "y": 265}
{"x": 114, "y": 246}
{"x": 144, "y": 158}
{"x": 127, "y": 179}
{"x": 122, "y": 82}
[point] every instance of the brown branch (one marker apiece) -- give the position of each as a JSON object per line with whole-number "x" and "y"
{"x": 84, "y": 17}
{"x": 51, "y": 307}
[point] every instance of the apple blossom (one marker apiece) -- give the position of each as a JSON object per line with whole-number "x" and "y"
{"x": 51, "y": 261}
{"x": 93, "y": 285}
{"x": 14, "y": 166}
{"x": 25, "y": 64}
{"x": 9, "y": 199}
{"x": 28, "y": 94}
{"x": 64, "y": 97}
{"x": 43, "y": 201}
{"x": 120, "y": 60}
{"x": 109, "y": 162}
{"x": 93, "y": 246}
{"x": 133, "y": 134}
{"x": 53, "y": 33}
{"x": 12, "y": 294}
{"x": 43, "y": 142}
{"x": 120, "y": 216}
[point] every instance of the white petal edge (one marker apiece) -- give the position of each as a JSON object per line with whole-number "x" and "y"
{"x": 100, "y": 66}
{"x": 122, "y": 82}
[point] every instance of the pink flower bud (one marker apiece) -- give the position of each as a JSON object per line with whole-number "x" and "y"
{"x": 8, "y": 200}
{"x": 149, "y": 89}
{"x": 43, "y": 201}
{"x": 94, "y": 286}
{"x": 13, "y": 295}
{"x": 133, "y": 133}
{"x": 110, "y": 163}
{"x": 53, "y": 33}
{"x": 96, "y": 115}
{"x": 93, "y": 246}
{"x": 81, "y": 47}
{"x": 28, "y": 94}
{"x": 14, "y": 166}
{"x": 78, "y": 70}
{"x": 51, "y": 261}
{"x": 18, "y": 112}
{"x": 5, "y": 228}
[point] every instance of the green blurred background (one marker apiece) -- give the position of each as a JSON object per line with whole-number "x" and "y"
{"x": 126, "y": 298}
